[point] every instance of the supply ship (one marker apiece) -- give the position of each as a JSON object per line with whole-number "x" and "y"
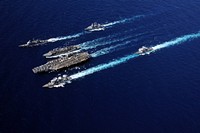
{"x": 64, "y": 51}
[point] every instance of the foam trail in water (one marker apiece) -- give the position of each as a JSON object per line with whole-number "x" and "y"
{"x": 65, "y": 37}
{"x": 103, "y": 66}
{"x": 113, "y": 47}
{"x": 177, "y": 41}
{"x": 128, "y": 57}
{"x": 109, "y": 41}
{"x": 123, "y": 20}
{"x": 109, "y": 49}
{"x": 106, "y": 43}
{"x": 99, "y": 40}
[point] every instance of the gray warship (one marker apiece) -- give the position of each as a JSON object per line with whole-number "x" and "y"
{"x": 58, "y": 82}
{"x": 34, "y": 43}
{"x": 64, "y": 51}
{"x": 144, "y": 50}
{"x": 95, "y": 27}
{"x": 62, "y": 62}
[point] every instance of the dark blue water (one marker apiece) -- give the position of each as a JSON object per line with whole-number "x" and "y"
{"x": 157, "y": 93}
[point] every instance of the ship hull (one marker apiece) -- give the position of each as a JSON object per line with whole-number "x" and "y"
{"x": 63, "y": 62}
{"x": 65, "y": 51}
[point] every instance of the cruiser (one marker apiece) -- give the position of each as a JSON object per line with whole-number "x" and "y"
{"x": 144, "y": 50}
{"x": 95, "y": 27}
{"x": 33, "y": 43}
{"x": 58, "y": 82}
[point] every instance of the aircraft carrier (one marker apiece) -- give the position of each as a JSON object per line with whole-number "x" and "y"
{"x": 62, "y": 62}
{"x": 64, "y": 51}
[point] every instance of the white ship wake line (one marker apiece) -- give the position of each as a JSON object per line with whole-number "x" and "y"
{"x": 98, "y": 40}
{"x": 177, "y": 41}
{"x": 124, "y": 59}
{"x": 103, "y": 66}
{"x": 106, "y": 42}
{"x": 65, "y": 37}
{"x": 109, "y": 49}
{"x": 116, "y": 47}
{"x": 123, "y": 21}
{"x": 39, "y": 42}
{"x": 93, "y": 44}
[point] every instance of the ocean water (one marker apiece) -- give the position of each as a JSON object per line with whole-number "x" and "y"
{"x": 116, "y": 91}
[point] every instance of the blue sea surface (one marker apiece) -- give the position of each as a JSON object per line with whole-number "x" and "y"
{"x": 115, "y": 91}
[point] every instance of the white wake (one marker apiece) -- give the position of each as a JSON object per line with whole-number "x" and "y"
{"x": 177, "y": 41}
{"x": 65, "y": 37}
{"x": 101, "y": 40}
{"x": 106, "y": 41}
{"x": 123, "y": 21}
{"x": 109, "y": 49}
{"x": 104, "y": 66}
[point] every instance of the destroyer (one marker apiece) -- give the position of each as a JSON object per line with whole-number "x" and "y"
{"x": 64, "y": 51}
{"x": 58, "y": 82}
{"x": 62, "y": 62}
{"x": 144, "y": 50}
{"x": 95, "y": 27}
{"x": 34, "y": 43}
